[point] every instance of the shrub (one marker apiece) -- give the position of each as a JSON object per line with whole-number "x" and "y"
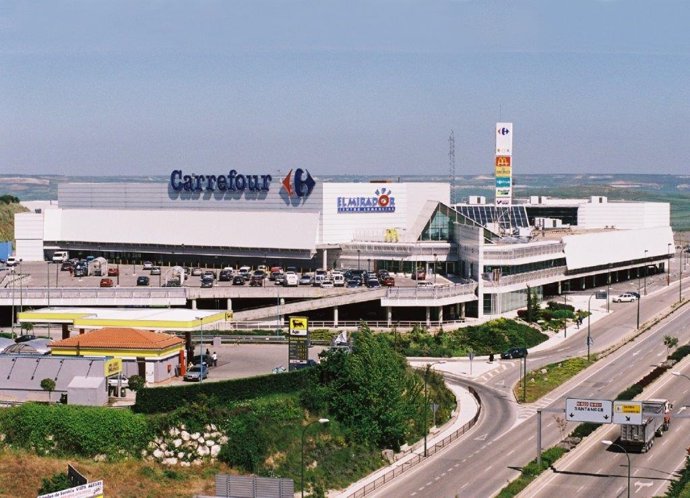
{"x": 680, "y": 353}
{"x": 74, "y": 430}
{"x": 57, "y": 482}
{"x": 136, "y": 383}
{"x": 166, "y": 399}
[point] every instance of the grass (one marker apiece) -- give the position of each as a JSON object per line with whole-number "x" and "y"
{"x": 7, "y": 212}
{"x": 21, "y": 473}
{"x": 530, "y": 472}
{"x": 544, "y": 380}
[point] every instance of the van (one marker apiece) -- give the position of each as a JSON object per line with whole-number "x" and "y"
{"x": 60, "y": 256}
{"x": 338, "y": 279}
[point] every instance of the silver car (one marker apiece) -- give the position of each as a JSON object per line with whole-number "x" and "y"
{"x": 197, "y": 373}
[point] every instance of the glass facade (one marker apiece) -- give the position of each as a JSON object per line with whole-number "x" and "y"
{"x": 495, "y": 304}
{"x": 527, "y": 267}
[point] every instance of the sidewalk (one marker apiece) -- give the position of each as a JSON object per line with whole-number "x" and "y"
{"x": 467, "y": 409}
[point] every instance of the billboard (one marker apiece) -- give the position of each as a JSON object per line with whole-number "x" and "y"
{"x": 504, "y": 163}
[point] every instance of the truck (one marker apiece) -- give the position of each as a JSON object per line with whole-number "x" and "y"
{"x": 656, "y": 419}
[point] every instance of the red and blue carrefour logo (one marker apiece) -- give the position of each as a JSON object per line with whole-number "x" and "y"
{"x": 381, "y": 202}
{"x": 300, "y": 184}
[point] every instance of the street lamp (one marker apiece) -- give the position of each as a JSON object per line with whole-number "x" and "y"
{"x": 679, "y": 374}
{"x": 680, "y": 273}
{"x": 608, "y": 289}
{"x": 565, "y": 322}
{"x": 435, "y": 267}
{"x": 589, "y": 322}
{"x": 201, "y": 348}
{"x": 611, "y": 443}
{"x": 645, "y": 272}
{"x": 426, "y": 398}
{"x": 359, "y": 251}
{"x": 668, "y": 264}
{"x": 304, "y": 431}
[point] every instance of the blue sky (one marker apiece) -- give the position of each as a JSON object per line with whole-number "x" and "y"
{"x": 95, "y": 87}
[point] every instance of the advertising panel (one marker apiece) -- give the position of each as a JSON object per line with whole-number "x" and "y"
{"x": 90, "y": 490}
{"x": 381, "y": 201}
{"x": 503, "y": 163}
{"x": 504, "y": 139}
{"x": 298, "y": 325}
{"x": 112, "y": 366}
{"x": 502, "y": 182}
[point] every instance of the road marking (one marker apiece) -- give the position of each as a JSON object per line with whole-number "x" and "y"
{"x": 481, "y": 438}
{"x": 511, "y": 452}
{"x": 437, "y": 478}
{"x": 636, "y": 353}
{"x": 428, "y": 483}
{"x": 530, "y": 438}
{"x": 642, "y": 484}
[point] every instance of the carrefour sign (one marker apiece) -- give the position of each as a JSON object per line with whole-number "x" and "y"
{"x": 300, "y": 184}
{"x": 381, "y": 202}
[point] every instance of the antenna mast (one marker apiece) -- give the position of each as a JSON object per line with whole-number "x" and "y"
{"x": 451, "y": 163}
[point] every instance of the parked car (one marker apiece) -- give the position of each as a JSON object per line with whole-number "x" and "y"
{"x": 291, "y": 279}
{"x": 25, "y": 338}
{"x": 338, "y": 279}
{"x": 373, "y": 283}
{"x": 514, "y": 353}
{"x": 196, "y": 272}
{"x": 142, "y": 281}
{"x": 106, "y": 282}
{"x": 80, "y": 271}
{"x": 66, "y": 266}
{"x": 257, "y": 280}
{"x": 306, "y": 279}
{"x": 12, "y": 261}
{"x": 209, "y": 273}
{"x": 388, "y": 281}
{"x": 113, "y": 272}
{"x": 155, "y": 270}
{"x": 327, "y": 284}
{"x": 206, "y": 358}
{"x": 626, "y": 297}
{"x": 354, "y": 282}
{"x": 147, "y": 265}
{"x": 197, "y": 373}
{"x": 238, "y": 280}
{"x": 206, "y": 282}
{"x": 225, "y": 276}
{"x": 245, "y": 272}
{"x": 636, "y": 294}
{"x": 419, "y": 274}
{"x": 279, "y": 279}
{"x": 424, "y": 283}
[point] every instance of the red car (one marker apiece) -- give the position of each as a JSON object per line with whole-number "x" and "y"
{"x": 388, "y": 281}
{"x": 106, "y": 282}
{"x": 113, "y": 272}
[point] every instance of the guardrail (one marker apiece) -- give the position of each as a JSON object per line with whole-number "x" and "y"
{"x": 325, "y": 324}
{"x": 498, "y": 252}
{"x": 435, "y": 292}
{"x": 84, "y": 292}
{"x": 418, "y": 458}
{"x": 524, "y": 277}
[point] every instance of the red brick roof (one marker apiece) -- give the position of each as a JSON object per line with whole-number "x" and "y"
{"x": 113, "y": 338}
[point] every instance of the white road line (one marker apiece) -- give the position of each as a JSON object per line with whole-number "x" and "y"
{"x": 636, "y": 352}
{"x": 511, "y": 452}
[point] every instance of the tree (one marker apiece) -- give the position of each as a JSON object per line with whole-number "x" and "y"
{"x": 54, "y": 483}
{"x": 27, "y": 327}
{"x": 372, "y": 391}
{"x": 670, "y": 342}
{"x": 136, "y": 382}
{"x": 48, "y": 385}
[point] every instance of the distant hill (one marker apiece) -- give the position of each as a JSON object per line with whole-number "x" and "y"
{"x": 7, "y": 219}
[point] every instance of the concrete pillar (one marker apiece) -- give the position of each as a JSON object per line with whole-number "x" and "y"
{"x": 193, "y": 304}
{"x": 583, "y": 283}
{"x": 229, "y": 304}
{"x": 462, "y": 310}
{"x": 440, "y": 314}
{"x": 81, "y": 331}
{"x": 324, "y": 260}
{"x": 335, "y": 316}
{"x": 428, "y": 316}
{"x": 389, "y": 315}
{"x": 65, "y": 331}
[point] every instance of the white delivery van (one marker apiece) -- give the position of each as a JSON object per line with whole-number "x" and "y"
{"x": 60, "y": 256}
{"x": 338, "y": 279}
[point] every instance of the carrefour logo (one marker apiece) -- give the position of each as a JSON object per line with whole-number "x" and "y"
{"x": 503, "y": 131}
{"x": 300, "y": 184}
{"x": 381, "y": 202}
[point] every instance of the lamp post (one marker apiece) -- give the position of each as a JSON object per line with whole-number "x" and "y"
{"x": 565, "y": 322}
{"x": 201, "y": 348}
{"x": 680, "y": 273}
{"x": 13, "y": 285}
{"x": 645, "y": 272}
{"x": 359, "y": 251}
{"x": 608, "y": 289}
{"x": 426, "y": 398}
{"x": 304, "y": 431}
{"x": 668, "y": 264}
{"x": 435, "y": 267}
{"x": 679, "y": 374}
{"x": 611, "y": 443}
{"x": 589, "y": 322}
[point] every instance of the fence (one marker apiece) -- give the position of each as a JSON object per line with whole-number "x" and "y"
{"x": 435, "y": 292}
{"x": 406, "y": 466}
{"x": 277, "y": 325}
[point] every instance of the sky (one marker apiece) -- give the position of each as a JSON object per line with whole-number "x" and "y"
{"x": 343, "y": 87}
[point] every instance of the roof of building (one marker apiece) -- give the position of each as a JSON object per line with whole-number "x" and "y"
{"x": 119, "y": 338}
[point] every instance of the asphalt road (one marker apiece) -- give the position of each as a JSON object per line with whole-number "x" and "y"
{"x": 504, "y": 440}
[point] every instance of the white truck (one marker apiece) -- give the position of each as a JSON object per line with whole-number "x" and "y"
{"x": 60, "y": 256}
{"x": 656, "y": 418}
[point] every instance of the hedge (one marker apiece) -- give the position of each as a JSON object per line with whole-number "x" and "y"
{"x": 165, "y": 399}
{"x": 74, "y": 430}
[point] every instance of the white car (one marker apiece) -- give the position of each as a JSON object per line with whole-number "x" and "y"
{"x": 625, "y": 298}
{"x": 291, "y": 279}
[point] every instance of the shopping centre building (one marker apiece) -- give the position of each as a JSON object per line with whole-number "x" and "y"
{"x": 494, "y": 252}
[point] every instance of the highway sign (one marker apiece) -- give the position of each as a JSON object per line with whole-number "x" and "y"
{"x": 627, "y": 412}
{"x": 598, "y": 411}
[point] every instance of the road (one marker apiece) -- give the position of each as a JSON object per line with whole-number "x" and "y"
{"x": 504, "y": 439}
